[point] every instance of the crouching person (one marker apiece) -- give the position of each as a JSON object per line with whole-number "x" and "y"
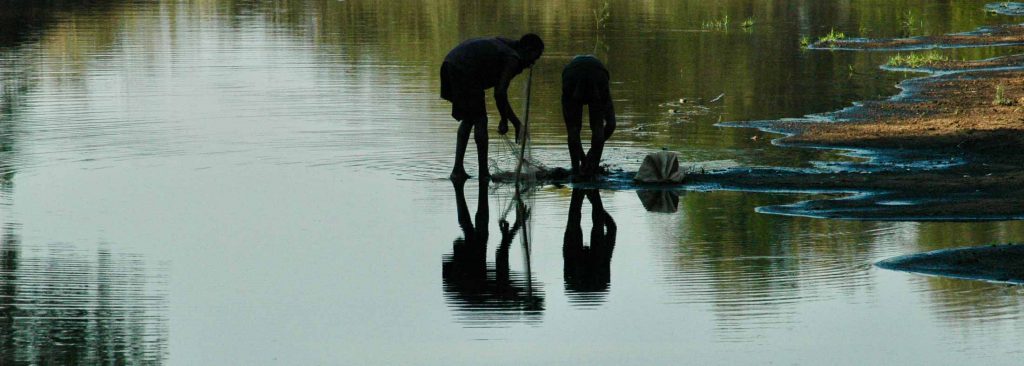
{"x": 585, "y": 82}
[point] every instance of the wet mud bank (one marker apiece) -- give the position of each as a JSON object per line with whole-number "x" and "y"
{"x": 1006, "y": 8}
{"x": 959, "y": 194}
{"x": 950, "y": 146}
{"x": 996, "y": 263}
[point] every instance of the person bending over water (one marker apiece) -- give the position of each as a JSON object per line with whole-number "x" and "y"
{"x": 472, "y": 67}
{"x": 585, "y": 82}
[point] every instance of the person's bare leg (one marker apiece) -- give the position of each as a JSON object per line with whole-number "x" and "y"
{"x": 591, "y": 165}
{"x": 572, "y": 112}
{"x": 480, "y": 136}
{"x": 461, "y": 140}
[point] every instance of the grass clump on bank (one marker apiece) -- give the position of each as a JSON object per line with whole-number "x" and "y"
{"x": 1001, "y": 98}
{"x": 915, "y": 60}
{"x": 832, "y": 36}
{"x": 828, "y": 39}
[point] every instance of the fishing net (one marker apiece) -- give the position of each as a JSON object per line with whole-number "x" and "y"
{"x": 510, "y": 155}
{"x": 512, "y": 162}
{"x": 515, "y": 170}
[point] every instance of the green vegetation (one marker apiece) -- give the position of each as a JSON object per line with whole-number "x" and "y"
{"x": 827, "y": 39}
{"x": 911, "y": 23}
{"x": 916, "y": 60}
{"x": 830, "y": 38}
{"x": 1001, "y": 98}
{"x": 717, "y": 24}
{"x": 749, "y": 22}
{"x": 601, "y": 16}
{"x": 864, "y": 31}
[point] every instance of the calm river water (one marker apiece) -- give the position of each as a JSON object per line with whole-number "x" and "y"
{"x": 243, "y": 182}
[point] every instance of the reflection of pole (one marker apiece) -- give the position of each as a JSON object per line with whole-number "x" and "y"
{"x": 525, "y": 238}
{"x": 526, "y": 130}
{"x": 518, "y": 198}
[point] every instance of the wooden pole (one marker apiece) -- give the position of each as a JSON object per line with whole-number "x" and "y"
{"x": 526, "y": 130}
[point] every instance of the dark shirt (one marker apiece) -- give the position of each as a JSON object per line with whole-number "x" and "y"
{"x": 585, "y": 80}
{"x": 481, "y": 61}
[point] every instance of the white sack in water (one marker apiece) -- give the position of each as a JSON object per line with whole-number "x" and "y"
{"x": 660, "y": 167}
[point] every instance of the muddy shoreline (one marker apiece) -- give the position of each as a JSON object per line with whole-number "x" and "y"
{"x": 969, "y": 112}
{"x": 950, "y": 146}
{"x": 1000, "y": 35}
{"x": 993, "y": 263}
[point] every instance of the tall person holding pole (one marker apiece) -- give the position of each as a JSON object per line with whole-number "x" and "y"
{"x": 469, "y": 69}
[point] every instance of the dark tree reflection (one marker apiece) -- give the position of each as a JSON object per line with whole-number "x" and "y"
{"x": 9, "y": 243}
{"x": 22, "y": 21}
{"x": 68, "y": 307}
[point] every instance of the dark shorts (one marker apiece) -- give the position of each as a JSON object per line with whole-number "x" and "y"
{"x": 585, "y": 81}
{"x": 467, "y": 100}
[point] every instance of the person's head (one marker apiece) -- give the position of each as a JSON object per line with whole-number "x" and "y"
{"x": 531, "y": 47}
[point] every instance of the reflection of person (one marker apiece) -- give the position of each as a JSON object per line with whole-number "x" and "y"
{"x": 588, "y": 269}
{"x": 467, "y": 266}
{"x": 585, "y": 82}
{"x": 472, "y": 67}
{"x": 468, "y": 280}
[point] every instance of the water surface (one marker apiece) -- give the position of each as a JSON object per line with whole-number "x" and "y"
{"x": 235, "y": 182}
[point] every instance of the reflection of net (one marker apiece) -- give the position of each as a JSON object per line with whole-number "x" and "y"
{"x": 509, "y": 191}
{"x": 516, "y": 200}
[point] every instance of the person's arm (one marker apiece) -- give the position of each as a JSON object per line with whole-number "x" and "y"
{"x": 609, "y": 115}
{"x": 509, "y": 71}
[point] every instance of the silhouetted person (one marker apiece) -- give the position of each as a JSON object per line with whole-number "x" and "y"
{"x": 588, "y": 269}
{"x": 470, "y": 68}
{"x": 467, "y": 278}
{"x": 585, "y": 82}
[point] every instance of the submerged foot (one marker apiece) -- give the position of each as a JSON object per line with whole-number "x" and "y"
{"x": 458, "y": 174}
{"x": 580, "y": 177}
{"x": 584, "y": 174}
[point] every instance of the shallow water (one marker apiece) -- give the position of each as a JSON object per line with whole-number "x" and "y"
{"x": 232, "y": 182}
